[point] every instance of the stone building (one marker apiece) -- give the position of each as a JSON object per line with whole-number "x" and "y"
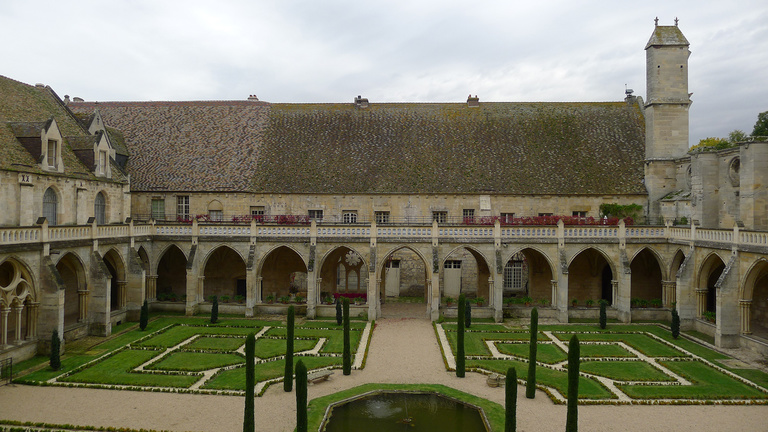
{"x": 112, "y": 203}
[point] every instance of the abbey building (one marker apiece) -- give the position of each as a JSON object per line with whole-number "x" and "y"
{"x": 108, "y": 204}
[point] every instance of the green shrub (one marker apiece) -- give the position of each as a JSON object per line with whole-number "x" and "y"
{"x": 339, "y": 314}
{"x": 603, "y": 314}
{"x": 675, "y": 326}
{"x": 347, "y": 355}
{"x": 301, "y": 397}
{"x": 530, "y": 388}
{"x": 144, "y": 317}
{"x": 460, "y": 360}
{"x": 250, "y": 382}
{"x": 288, "y": 376}
{"x": 55, "y": 350}
{"x": 572, "y": 419}
{"x": 510, "y": 403}
{"x": 468, "y": 314}
{"x": 215, "y": 310}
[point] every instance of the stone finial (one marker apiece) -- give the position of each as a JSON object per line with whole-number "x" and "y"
{"x": 676, "y": 21}
{"x": 656, "y": 21}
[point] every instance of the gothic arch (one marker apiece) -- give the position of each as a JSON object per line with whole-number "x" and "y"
{"x": 754, "y": 294}
{"x": 354, "y": 277}
{"x": 16, "y": 282}
{"x": 452, "y": 279}
{"x": 539, "y": 273}
{"x": 590, "y": 276}
{"x": 100, "y": 208}
{"x": 171, "y": 271}
{"x": 710, "y": 270}
{"x": 162, "y": 253}
{"x": 225, "y": 271}
{"x": 647, "y": 274}
{"x": 116, "y": 266}
{"x": 382, "y": 272}
{"x": 276, "y": 269}
{"x": 72, "y": 271}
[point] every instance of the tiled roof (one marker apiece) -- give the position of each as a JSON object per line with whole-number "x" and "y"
{"x": 510, "y": 148}
{"x": 24, "y": 111}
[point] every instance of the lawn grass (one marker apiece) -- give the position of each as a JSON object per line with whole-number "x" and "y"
{"x": 195, "y": 361}
{"x": 708, "y": 383}
{"x": 603, "y": 350}
{"x": 588, "y": 388}
{"x": 216, "y": 343}
{"x": 624, "y": 370}
{"x": 335, "y": 338}
{"x": 234, "y": 379}
{"x": 474, "y": 342}
{"x": 178, "y": 334}
{"x": 115, "y": 370}
{"x": 638, "y": 341}
{"x": 545, "y": 353}
{"x": 317, "y": 407}
{"x": 267, "y": 348}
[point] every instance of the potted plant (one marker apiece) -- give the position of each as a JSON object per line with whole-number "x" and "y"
{"x": 635, "y": 302}
{"x": 172, "y": 297}
{"x": 270, "y": 298}
{"x": 574, "y": 302}
{"x": 449, "y": 301}
{"x": 480, "y": 301}
{"x": 328, "y": 299}
{"x": 240, "y": 299}
{"x": 299, "y": 299}
{"x": 285, "y": 299}
{"x": 544, "y": 302}
{"x": 359, "y": 300}
{"x": 527, "y": 301}
{"x": 211, "y": 298}
{"x": 590, "y": 303}
{"x": 225, "y": 299}
{"x": 656, "y": 303}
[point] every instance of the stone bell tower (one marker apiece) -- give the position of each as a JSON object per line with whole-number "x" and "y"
{"x": 666, "y": 111}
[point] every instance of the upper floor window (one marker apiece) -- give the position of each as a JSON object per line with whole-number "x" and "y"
{"x": 50, "y": 206}
{"x": 53, "y": 154}
{"x": 468, "y": 215}
{"x": 580, "y": 214}
{"x": 349, "y": 216}
{"x": 257, "y": 210}
{"x": 100, "y": 209}
{"x": 382, "y": 217}
{"x": 158, "y": 209}
{"x": 216, "y": 211}
{"x": 507, "y": 218}
{"x": 440, "y": 216}
{"x": 102, "y": 162}
{"x": 545, "y": 214}
{"x": 316, "y": 214}
{"x": 182, "y": 207}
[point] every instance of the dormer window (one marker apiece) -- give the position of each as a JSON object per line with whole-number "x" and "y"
{"x": 102, "y": 162}
{"x": 52, "y": 153}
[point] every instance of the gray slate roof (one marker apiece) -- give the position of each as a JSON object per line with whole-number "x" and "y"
{"x": 505, "y": 148}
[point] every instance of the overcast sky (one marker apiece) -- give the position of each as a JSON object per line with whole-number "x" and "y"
{"x": 387, "y": 51}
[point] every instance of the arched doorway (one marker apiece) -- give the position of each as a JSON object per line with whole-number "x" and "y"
{"x": 590, "y": 278}
{"x": 172, "y": 275}
{"x": 528, "y": 274}
{"x": 707, "y": 291}
{"x": 646, "y": 286}
{"x": 755, "y": 292}
{"x": 116, "y": 268}
{"x": 282, "y": 271}
{"x": 404, "y": 276}
{"x": 465, "y": 271}
{"x": 73, "y": 274}
{"x": 343, "y": 273}
{"x": 224, "y": 272}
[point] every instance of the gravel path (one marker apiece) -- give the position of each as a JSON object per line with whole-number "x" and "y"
{"x": 403, "y": 350}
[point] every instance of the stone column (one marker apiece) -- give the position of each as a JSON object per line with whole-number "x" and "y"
{"x": 701, "y": 302}
{"x": 32, "y": 308}
{"x": 152, "y": 287}
{"x": 4, "y": 326}
{"x": 554, "y": 292}
{"x": 122, "y": 294}
{"x": 497, "y": 297}
{"x": 83, "y": 298}
{"x": 201, "y": 289}
{"x": 18, "y": 338}
{"x": 746, "y": 316}
{"x": 668, "y": 289}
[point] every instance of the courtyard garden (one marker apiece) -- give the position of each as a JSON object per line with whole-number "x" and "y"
{"x": 188, "y": 354}
{"x": 623, "y": 364}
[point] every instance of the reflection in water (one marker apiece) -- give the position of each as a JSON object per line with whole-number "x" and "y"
{"x": 399, "y": 411}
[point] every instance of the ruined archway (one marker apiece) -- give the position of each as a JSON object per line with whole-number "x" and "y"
{"x": 224, "y": 272}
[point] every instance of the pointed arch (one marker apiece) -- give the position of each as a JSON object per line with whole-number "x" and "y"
{"x": 755, "y": 291}
{"x": 460, "y": 275}
{"x": 590, "y": 276}
{"x": 277, "y": 268}
{"x": 537, "y": 275}
{"x": 171, "y": 271}
{"x": 224, "y": 270}
{"x": 404, "y": 271}
{"x": 72, "y": 271}
{"x": 116, "y": 266}
{"x": 709, "y": 272}
{"x": 343, "y": 269}
{"x": 51, "y": 206}
{"x": 646, "y": 277}
{"x": 100, "y": 208}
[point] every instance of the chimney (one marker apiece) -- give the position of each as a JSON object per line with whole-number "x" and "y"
{"x": 473, "y": 102}
{"x": 361, "y": 102}
{"x": 77, "y": 99}
{"x": 66, "y": 99}
{"x": 253, "y": 98}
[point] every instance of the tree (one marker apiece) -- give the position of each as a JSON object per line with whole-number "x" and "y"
{"x": 144, "y": 317}
{"x": 468, "y": 314}
{"x": 761, "y": 126}
{"x": 288, "y": 377}
{"x": 737, "y": 136}
{"x": 347, "y": 355}
{"x": 250, "y": 378}
{"x": 530, "y": 388}
{"x": 510, "y": 402}
{"x": 603, "y": 314}
{"x": 339, "y": 315}
{"x": 55, "y": 360}
{"x": 215, "y": 310}
{"x": 301, "y": 397}
{"x": 572, "y": 419}
{"x": 675, "y": 327}
{"x": 460, "y": 337}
